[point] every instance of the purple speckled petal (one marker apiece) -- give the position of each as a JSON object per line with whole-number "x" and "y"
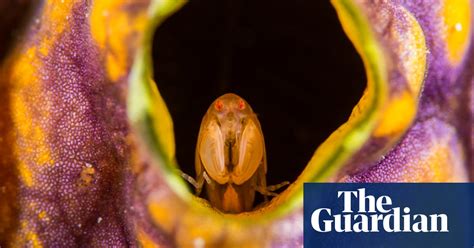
{"x": 70, "y": 130}
{"x": 76, "y": 169}
{"x": 436, "y": 147}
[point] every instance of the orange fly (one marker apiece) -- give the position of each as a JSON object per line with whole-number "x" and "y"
{"x": 230, "y": 156}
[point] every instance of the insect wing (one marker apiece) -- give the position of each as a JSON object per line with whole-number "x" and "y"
{"x": 211, "y": 151}
{"x": 251, "y": 152}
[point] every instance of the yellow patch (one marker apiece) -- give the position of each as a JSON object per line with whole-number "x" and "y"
{"x": 29, "y": 129}
{"x": 160, "y": 214}
{"x": 30, "y": 239}
{"x": 188, "y": 235}
{"x": 144, "y": 240}
{"x": 25, "y": 174}
{"x": 57, "y": 13}
{"x": 439, "y": 165}
{"x": 397, "y": 116}
{"x": 115, "y": 31}
{"x": 443, "y": 164}
{"x": 456, "y": 15}
{"x": 43, "y": 216}
{"x": 33, "y": 238}
{"x": 24, "y": 70}
{"x": 26, "y": 92}
{"x": 54, "y": 20}
{"x": 412, "y": 53}
{"x": 87, "y": 175}
{"x": 46, "y": 43}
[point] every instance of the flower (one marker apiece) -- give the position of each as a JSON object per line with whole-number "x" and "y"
{"x": 87, "y": 142}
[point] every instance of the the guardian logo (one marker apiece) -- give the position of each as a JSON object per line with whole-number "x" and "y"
{"x": 373, "y": 214}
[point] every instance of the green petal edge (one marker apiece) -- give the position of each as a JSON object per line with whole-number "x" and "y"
{"x": 151, "y": 120}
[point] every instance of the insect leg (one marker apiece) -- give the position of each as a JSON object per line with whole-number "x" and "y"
{"x": 206, "y": 177}
{"x": 264, "y": 191}
{"x": 268, "y": 190}
{"x": 196, "y": 183}
{"x": 189, "y": 178}
{"x": 277, "y": 186}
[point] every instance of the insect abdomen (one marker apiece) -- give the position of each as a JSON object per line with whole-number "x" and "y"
{"x": 232, "y": 198}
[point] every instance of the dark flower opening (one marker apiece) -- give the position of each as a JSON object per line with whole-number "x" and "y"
{"x": 15, "y": 14}
{"x": 290, "y": 61}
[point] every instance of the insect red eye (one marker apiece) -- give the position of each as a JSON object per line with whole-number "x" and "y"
{"x": 219, "y": 105}
{"x": 241, "y": 105}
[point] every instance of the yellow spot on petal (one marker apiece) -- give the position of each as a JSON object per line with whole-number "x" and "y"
{"x": 145, "y": 241}
{"x": 160, "y": 214}
{"x": 438, "y": 164}
{"x": 443, "y": 165}
{"x": 25, "y": 174}
{"x": 32, "y": 147}
{"x": 87, "y": 175}
{"x": 116, "y": 31}
{"x": 57, "y": 13}
{"x": 43, "y": 216}
{"x": 457, "y": 20}
{"x": 397, "y": 115}
{"x": 413, "y": 52}
{"x": 33, "y": 239}
{"x": 44, "y": 155}
{"x": 30, "y": 239}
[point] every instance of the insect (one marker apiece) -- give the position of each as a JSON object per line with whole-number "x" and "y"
{"x": 230, "y": 156}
